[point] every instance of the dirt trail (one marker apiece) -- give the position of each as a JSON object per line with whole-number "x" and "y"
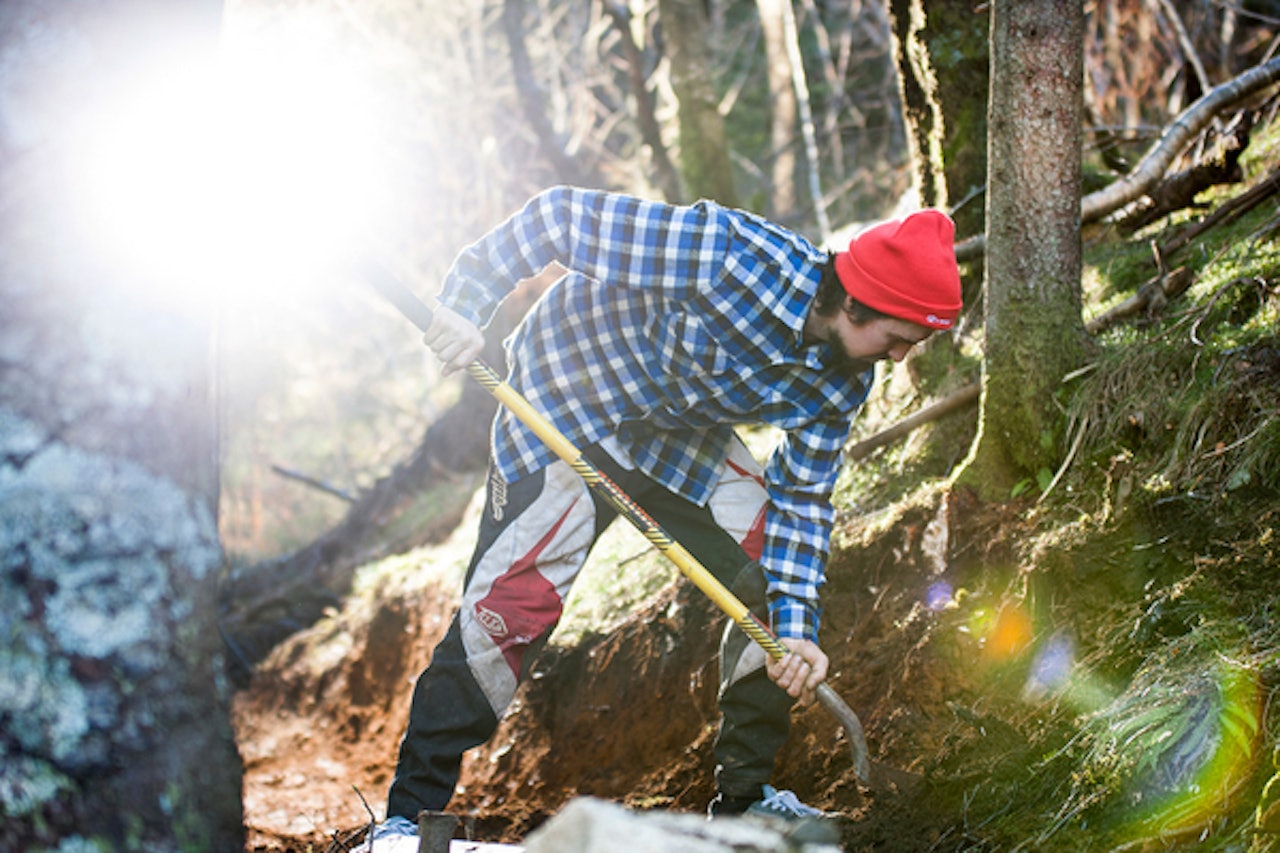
{"x": 627, "y": 716}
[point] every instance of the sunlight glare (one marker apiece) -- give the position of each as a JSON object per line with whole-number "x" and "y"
{"x": 257, "y": 173}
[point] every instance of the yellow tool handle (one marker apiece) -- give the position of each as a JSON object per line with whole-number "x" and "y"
{"x": 596, "y": 479}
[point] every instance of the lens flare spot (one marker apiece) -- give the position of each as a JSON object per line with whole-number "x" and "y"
{"x": 1225, "y": 750}
{"x": 1009, "y": 634}
{"x": 938, "y": 597}
{"x": 1051, "y": 667}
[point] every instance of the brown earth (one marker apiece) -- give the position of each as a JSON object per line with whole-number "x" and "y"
{"x": 630, "y": 715}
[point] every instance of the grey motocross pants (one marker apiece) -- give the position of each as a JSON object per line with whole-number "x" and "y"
{"x": 534, "y": 537}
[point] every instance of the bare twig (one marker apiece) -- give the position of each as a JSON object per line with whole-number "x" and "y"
{"x": 1184, "y": 41}
{"x": 319, "y": 485}
{"x": 373, "y": 820}
{"x": 1066, "y": 463}
{"x": 801, "y": 84}
{"x": 1213, "y": 300}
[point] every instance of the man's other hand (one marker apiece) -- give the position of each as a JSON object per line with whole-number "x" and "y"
{"x": 454, "y": 339}
{"x": 801, "y": 670}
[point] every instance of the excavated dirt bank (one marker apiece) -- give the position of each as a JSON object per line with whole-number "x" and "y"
{"x": 628, "y": 716}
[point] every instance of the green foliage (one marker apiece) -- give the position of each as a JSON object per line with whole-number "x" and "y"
{"x": 1162, "y": 732}
{"x": 1042, "y": 480}
{"x": 1176, "y": 750}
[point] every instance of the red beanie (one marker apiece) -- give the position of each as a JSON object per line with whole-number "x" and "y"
{"x": 906, "y": 268}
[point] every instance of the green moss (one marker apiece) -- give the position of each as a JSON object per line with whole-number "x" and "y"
{"x": 1113, "y": 271}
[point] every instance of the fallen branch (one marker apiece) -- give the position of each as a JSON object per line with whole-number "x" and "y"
{"x": 1176, "y": 138}
{"x": 953, "y": 402}
{"x": 1150, "y": 298}
{"x": 313, "y": 483}
{"x": 1156, "y": 161}
{"x": 1179, "y": 190}
{"x": 1227, "y": 212}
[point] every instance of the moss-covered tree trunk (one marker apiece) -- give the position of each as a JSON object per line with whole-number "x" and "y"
{"x": 940, "y": 49}
{"x": 704, "y": 150}
{"x": 114, "y": 723}
{"x": 1034, "y": 329}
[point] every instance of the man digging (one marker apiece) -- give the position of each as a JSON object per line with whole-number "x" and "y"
{"x": 672, "y": 325}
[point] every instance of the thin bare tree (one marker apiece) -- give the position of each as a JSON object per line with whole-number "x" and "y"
{"x": 783, "y": 109}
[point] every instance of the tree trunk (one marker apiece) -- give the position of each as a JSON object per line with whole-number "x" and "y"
{"x": 941, "y": 54}
{"x": 533, "y": 101}
{"x": 666, "y": 177}
{"x": 1034, "y": 328}
{"x": 116, "y": 726}
{"x": 704, "y": 149}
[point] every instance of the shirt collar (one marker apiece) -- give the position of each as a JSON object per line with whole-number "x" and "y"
{"x": 795, "y": 307}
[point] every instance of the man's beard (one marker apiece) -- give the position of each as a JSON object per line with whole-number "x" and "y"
{"x": 850, "y": 366}
{"x": 841, "y": 361}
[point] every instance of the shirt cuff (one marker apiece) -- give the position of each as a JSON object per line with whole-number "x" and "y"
{"x": 794, "y": 619}
{"x": 473, "y": 307}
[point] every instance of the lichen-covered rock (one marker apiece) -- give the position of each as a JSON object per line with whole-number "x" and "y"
{"x": 99, "y": 561}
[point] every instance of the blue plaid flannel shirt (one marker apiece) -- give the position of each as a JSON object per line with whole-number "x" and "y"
{"x": 673, "y": 325}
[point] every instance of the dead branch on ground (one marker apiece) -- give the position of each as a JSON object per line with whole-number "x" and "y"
{"x": 1149, "y": 300}
{"x": 1226, "y": 213}
{"x": 1179, "y": 190}
{"x": 1157, "y": 160}
{"x": 953, "y": 402}
{"x": 1175, "y": 139}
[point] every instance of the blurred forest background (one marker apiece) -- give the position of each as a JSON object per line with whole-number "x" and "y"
{"x": 477, "y": 106}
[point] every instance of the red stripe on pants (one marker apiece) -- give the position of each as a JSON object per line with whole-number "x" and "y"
{"x": 521, "y": 604}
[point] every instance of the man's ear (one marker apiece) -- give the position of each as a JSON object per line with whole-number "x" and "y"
{"x": 850, "y": 308}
